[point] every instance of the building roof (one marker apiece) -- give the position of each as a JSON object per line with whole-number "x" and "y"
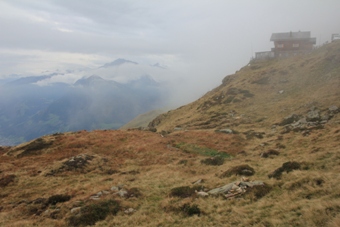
{"x": 284, "y": 36}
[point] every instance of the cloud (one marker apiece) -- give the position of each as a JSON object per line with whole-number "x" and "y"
{"x": 201, "y": 41}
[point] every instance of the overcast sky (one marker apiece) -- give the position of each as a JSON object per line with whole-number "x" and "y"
{"x": 200, "y": 40}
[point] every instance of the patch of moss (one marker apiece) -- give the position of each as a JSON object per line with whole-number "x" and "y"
{"x": 195, "y": 149}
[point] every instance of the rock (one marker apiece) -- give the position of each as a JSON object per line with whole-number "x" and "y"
{"x": 122, "y": 193}
{"x": 313, "y": 116}
{"x": 114, "y": 188}
{"x": 129, "y": 211}
{"x": 221, "y": 190}
{"x": 227, "y": 131}
{"x": 289, "y": 120}
{"x": 75, "y": 210}
{"x": 333, "y": 109}
{"x": 46, "y": 213}
{"x": 201, "y": 194}
{"x": 105, "y": 192}
{"x": 95, "y": 197}
{"x": 245, "y": 179}
{"x": 198, "y": 181}
{"x": 281, "y": 91}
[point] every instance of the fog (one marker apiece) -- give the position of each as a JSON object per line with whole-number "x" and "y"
{"x": 198, "y": 42}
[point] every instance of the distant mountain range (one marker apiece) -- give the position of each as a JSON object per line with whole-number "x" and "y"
{"x": 37, "y": 105}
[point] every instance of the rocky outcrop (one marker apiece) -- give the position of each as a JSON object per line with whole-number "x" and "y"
{"x": 314, "y": 119}
{"x": 237, "y": 188}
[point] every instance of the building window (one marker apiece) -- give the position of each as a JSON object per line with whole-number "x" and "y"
{"x": 280, "y": 45}
{"x": 295, "y": 45}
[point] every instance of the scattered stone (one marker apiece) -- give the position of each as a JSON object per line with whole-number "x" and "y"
{"x": 227, "y": 131}
{"x": 252, "y": 134}
{"x": 105, "y": 192}
{"x": 313, "y": 115}
{"x": 200, "y": 181}
{"x": 95, "y": 197}
{"x": 289, "y": 120}
{"x": 201, "y": 193}
{"x": 46, "y": 213}
{"x": 333, "y": 109}
{"x": 76, "y": 162}
{"x": 129, "y": 211}
{"x": 75, "y": 210}
{"x": 122, "y": 193}
{"x": 240, "y": 187}
{"x": 114, "y": 188}
{"x": 245, "y": 179}
{"x": 313, "y": 120}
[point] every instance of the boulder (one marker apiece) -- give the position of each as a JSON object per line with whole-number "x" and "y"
{"x": 221, "y": 190}
{"x": 333, "y": 109}
{"x": 226, "y": 130}
{"x": 289, "y": 119}
{"x": 313, "y": 116}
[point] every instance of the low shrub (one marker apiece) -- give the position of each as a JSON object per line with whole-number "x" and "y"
{"x": 54, "y": 199}
{"x": 92, "y": 213}
{"x": 257, "y": 192}
{"x": 184, "y": 191}
{"x": 190, "y": 210}
{"x": 244, "y": 170}
{"x": 214, "y": 161}
{"x": 35, "y": 147}
{"x": 6, "y": 180}
{"x": 270, "y": 153}
{"x": 286, "y": 167}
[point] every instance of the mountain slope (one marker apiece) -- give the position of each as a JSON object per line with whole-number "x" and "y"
{"x": 264, "y": 92}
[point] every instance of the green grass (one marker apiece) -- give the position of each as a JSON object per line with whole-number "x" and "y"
{"x": 205, "y": 151}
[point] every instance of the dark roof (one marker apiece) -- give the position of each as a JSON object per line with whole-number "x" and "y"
{"x": 292, "y": 36}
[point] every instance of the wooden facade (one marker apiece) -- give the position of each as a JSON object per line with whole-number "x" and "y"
{"x": 292, "y": 43}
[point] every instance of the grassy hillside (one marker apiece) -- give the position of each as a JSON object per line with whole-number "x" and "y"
{"x": 264, "y": 92}
{"x": 272, "y": 130}
{"x": 142, "y": 120}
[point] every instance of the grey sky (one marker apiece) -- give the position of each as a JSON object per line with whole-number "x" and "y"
{"x": 198, "y": 40}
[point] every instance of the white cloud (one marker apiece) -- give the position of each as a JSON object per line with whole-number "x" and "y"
{"x": 201, "y": 41}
